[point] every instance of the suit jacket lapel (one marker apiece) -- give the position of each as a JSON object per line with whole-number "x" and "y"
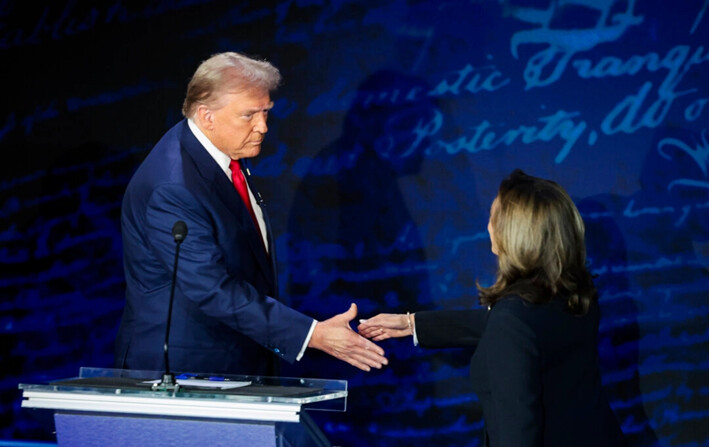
{"x": 213, "y": 175}
{"x": 267, "y": 221}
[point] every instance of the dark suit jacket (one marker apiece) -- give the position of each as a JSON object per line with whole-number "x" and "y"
{"x": 225, "y": 318}
{"x": 535, "y": 371}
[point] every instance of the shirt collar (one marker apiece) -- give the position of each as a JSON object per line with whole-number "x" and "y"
{"x": 220, "y": 157}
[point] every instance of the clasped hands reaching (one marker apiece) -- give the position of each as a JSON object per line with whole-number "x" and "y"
{"x": 335, "y": 337}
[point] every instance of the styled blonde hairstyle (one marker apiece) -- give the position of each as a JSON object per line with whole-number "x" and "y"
{"x": 227, "y": 72}
{"x": 541, "y": 251}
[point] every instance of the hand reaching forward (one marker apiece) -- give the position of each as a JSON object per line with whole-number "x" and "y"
{"x": 335, "y": 337}
{"x": 385, "y": 326}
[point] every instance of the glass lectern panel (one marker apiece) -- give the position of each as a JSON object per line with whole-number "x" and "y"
{"x": 311, "y": 394}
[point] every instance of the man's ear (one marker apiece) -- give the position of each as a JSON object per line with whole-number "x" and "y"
{"x": 205, "y": 117}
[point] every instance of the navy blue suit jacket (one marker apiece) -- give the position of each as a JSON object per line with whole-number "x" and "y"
{"x": 226, "y": 316}
{"x": 535, "y": 371}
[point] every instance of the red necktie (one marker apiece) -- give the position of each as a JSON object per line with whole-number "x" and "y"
{"x": 240, "y": 184}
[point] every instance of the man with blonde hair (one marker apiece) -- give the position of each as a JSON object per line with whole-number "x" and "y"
{"x": 226, "y": 316}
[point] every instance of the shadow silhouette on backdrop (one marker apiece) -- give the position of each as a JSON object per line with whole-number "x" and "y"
{"x": 647, "y": 249}
{"x": 619, "y": 332}
{"x": 352, "y": 238}
{"x": 668, "y": 220}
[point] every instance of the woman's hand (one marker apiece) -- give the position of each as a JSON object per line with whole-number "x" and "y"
{"x": 385, "y": 326}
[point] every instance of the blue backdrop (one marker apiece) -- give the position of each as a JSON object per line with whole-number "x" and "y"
{"x": 395, "y": 124}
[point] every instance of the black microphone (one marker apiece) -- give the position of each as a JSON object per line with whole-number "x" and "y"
{"x": 179, "y": 233}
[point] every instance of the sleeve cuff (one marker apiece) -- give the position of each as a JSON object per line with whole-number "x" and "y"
{"x": 307, "y": 340}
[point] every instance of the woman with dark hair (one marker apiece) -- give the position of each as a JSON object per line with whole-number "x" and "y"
{"x": 535, "y": 367}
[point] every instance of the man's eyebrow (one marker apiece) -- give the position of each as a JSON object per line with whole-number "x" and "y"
{"x": 258, "y": 109}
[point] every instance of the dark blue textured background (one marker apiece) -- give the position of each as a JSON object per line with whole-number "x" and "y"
{"x": 394, "y": 126}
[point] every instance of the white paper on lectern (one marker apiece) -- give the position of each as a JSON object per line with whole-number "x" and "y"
{"x": 201, "y": 383}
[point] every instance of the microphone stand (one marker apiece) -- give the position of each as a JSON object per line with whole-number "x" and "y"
{"x": 168, "y": 382}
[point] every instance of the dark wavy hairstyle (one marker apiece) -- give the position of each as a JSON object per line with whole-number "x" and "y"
{"x": 539, "y": 237}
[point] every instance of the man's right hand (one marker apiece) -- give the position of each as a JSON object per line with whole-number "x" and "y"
{"x": 335, "y": 337}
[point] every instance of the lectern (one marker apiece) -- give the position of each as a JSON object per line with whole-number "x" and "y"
{"x": 114, "y": 407}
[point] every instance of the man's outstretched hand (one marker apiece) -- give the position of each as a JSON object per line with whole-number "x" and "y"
{"x": 335, "y": 337}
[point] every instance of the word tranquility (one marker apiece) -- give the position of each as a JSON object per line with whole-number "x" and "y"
{"x": 635, "y": 111}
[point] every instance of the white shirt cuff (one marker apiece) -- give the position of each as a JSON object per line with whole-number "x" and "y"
{"x": 307, "y": 340}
